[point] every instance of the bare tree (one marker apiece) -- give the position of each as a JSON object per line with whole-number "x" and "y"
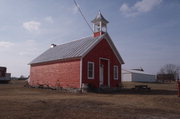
{"x": 170, "y": 69}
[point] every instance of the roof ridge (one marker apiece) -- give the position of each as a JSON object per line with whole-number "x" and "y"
{"x": 135, "y": 71}
{"x": 74, "y": 41}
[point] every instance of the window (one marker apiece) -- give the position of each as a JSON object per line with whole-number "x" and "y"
{"x": 115, "y": 72}
{"x": 90, "y": 70}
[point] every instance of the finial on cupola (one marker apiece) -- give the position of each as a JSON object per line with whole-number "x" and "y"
{"x": 99, "y": 25}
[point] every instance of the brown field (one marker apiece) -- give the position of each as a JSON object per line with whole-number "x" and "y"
{"x": 18, "y": 102}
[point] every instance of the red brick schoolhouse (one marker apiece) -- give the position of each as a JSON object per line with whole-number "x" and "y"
{"x": 91, "y": 61}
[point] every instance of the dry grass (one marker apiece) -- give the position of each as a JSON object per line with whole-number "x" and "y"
{"x": 17, "y": 102}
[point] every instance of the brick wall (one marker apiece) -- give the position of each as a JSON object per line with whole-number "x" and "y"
{"x": 64, "y": 74}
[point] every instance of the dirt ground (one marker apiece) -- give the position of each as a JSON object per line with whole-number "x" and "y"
{"x": 19, "y": 102}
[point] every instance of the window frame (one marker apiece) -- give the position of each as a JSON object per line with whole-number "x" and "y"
{"x": 115, "y": 75}
{"x": 92, "y": 70}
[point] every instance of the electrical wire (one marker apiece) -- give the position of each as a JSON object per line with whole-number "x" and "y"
{"x": 79, "y": 9}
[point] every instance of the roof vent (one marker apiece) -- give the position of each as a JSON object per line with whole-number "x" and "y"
{"x": 139, "y": 69}
{"x": 53, "y": 45}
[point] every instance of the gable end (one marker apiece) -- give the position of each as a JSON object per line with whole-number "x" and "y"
{"x": 113, "y": 47}
{"x": 111, "y": 44}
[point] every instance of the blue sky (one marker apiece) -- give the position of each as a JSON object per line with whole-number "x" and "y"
{"x": 146, "y": 32}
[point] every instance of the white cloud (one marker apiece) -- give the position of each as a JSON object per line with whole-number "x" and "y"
{"x": 21, "y": 53}
{"x": 29, "y": 47}
{"x": 32, "y": 25}
{"x": 6, "y": 44}
{"x": 139, "y": 7}
{"x": 49, "y": 19}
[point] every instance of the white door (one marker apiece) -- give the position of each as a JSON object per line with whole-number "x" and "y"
{"x": 101, "y": 74}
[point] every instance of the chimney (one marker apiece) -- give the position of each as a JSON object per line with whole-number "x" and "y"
{"x": 53, "y": 45}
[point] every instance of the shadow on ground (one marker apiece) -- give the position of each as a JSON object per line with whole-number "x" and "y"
{"x": 143, "y": 92}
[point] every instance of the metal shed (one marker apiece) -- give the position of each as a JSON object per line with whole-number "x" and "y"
{"x": 137, "y": 76}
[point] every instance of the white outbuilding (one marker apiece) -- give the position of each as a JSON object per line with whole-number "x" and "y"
{"x": 137, "y": 76}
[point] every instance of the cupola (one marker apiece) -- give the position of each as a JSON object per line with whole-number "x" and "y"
{"x": 99, "y": 25}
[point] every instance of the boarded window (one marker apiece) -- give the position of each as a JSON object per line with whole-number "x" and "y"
{"x": 115, "y": 72}
{"x": 90, "y": 70}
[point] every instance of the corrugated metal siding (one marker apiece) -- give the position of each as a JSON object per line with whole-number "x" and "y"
{"x": 143, "y": 77}
{"x": 137, "y": 76}
{"x": 127, "y": 77}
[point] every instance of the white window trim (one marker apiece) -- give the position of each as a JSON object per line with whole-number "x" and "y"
{"x": 116, "y": 78}
{"x": 88, "y": 70}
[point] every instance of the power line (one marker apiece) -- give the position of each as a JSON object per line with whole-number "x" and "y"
{"x": 79, "y": 9}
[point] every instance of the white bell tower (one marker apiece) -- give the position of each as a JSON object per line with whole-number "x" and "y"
{"x": 99, "y": 25}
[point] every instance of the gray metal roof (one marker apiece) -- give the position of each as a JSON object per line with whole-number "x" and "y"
{"x": 124, "y": 71}
{"x": 99, "y": 18}
{"x": 72, "y": 49}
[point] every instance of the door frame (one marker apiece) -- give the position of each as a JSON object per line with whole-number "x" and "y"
{"x": 101, "y": 73}
{"x": 101, "y": 58}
